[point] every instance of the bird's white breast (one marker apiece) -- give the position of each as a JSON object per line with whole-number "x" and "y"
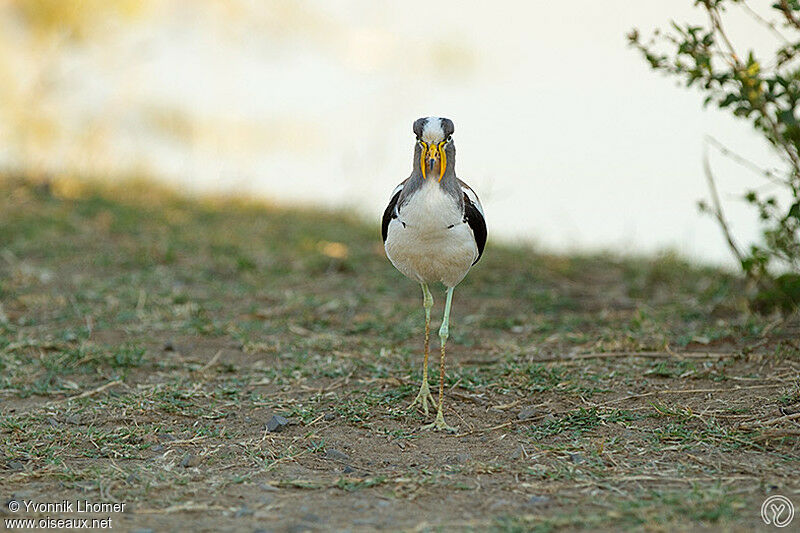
{"x": 429, "y": 241}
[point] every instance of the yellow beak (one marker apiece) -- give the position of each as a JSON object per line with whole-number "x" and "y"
{"x": 431, "y": 156}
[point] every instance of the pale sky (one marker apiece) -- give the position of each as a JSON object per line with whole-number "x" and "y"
{"x": 567, "y": 136}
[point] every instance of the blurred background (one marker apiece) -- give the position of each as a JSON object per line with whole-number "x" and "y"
{"x": 568, "y": 137}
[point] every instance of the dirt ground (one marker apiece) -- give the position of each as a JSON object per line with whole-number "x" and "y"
{"x": 147, "y": 340}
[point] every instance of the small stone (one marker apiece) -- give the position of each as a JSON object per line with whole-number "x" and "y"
{"x": 73, "y": 419}
{"x": 15, "y": 465}
{"x": 577, "y": 458}
{"x": 267, "y": 487}
{"x": 335, "y": 455}
{"x": 519, "y": 453}
{"x": 526, "y": 413}
{"x": 189, "y": 460}
{"x": 311, "y": 517}
{"x": 536, "y": 500}
{"x": 347, "y": 470}
{"x": 157, "y": 448}
{"x": 169, "y": 346}
{"x": 53, "y": 422}
{"x": 461, "y": 458}
{"x": 242, "y": 511}
{"x": 329, "y": 416}
{"x": 499, "y": 504}
{"x": 276, "y": 424}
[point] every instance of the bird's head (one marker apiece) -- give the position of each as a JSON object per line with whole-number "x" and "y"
{"x": 435, "y": 145}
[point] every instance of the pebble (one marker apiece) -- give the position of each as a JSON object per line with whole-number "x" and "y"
{"x": 347, "y": 470}
{"x": 242, "y": 511}
{"x": 499, "y": 504}
{"x": 267, "y": 487}
{"x": 519, "y": 453}
{"x": 311, "y": 517}
{"x": 169, "y": 346}
{"x": 526, "y": 413}
{"x": 536, "y": 500}
{"x": 577, "y": 458}
{"x": 15, "y": 465}
{"x": 336, "y": 455}
{"x": 276, "y": 424}
{"x": 461, "y": 458}
{"x": 329, "y": 416}
{"x": 189, "y": 460}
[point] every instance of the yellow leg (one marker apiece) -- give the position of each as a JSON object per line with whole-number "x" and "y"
{"x": 424, "y": 394}
{"x": 444, "y": 332}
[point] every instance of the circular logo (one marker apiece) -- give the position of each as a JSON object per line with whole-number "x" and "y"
{"x": 777, "y": 510}
{"x": 13, "y": 506}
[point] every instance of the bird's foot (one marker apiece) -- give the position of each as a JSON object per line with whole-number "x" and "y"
{"x": 440, "y": 424}
{"x": 423, "y": 396}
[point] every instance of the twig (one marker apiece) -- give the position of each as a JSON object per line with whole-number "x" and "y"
{"x": 780, "y": 419}
{"x": 92, "y": 392}
{"x": 753, "y": 13}
{"x": 212, "y": 362}
{"x": 787, "y": 11}
{"x": 777, "y": 435}
{"x": 647, "y": 355}
{"x": 727, "y": 152}
{"x": 716, "y": 22}
{"x": 691, "y": 391}
{"x": 182, "y": 507}
{"x": 712, "y": 186}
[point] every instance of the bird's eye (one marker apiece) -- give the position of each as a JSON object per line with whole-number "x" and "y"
{"x": 449, "y": 138}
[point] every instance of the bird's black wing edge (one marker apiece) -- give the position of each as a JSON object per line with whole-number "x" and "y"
{"x": 389, "y": 214}
{"x": 476, "y": 222}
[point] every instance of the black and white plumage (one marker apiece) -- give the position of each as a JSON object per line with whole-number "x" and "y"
{"x": 434, "y": 229}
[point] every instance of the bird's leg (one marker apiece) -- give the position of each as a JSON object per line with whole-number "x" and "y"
{"x": 424, "y": 390}
{"x": 444, "y": 332}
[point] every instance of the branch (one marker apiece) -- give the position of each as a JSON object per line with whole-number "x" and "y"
{"x": 727, "y": 152}
{"x": 754, "y": 14}
{"x": 787, "y": 12}
{"x": 716, "y": 23}
{"x": 712, "y": 186}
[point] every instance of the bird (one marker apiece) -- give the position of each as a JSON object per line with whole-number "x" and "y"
{"x": 434, "y": 230}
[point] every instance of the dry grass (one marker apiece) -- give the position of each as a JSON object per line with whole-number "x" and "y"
{"x": 146, "y": 339}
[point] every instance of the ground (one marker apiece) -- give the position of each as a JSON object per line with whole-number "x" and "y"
{"x": 147, "y": 339}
